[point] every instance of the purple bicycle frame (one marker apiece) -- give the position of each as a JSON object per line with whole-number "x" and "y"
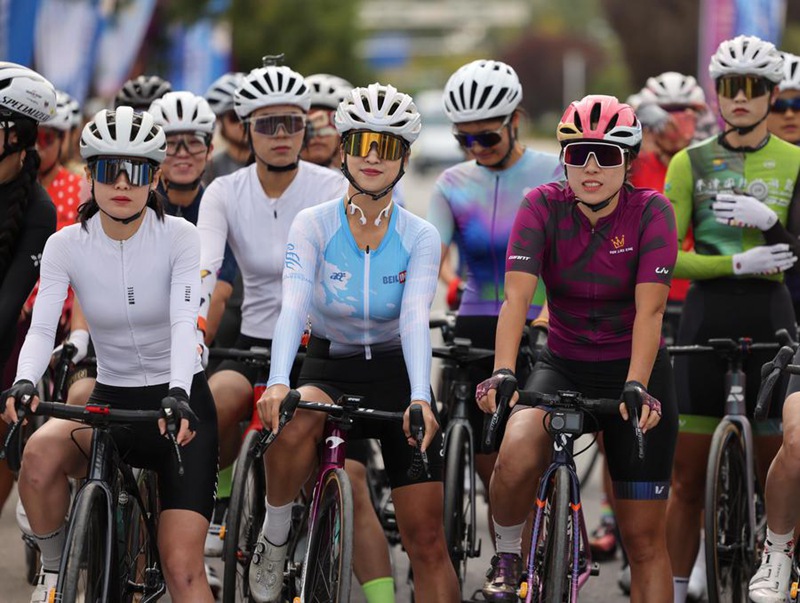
{"x": 331, "y": 458}
{"x": 562, "y": 453}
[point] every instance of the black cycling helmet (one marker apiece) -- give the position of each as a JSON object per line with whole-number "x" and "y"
{"x": 141, "y": 91}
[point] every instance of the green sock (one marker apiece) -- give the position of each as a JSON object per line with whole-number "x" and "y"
{"x": 380, "y": 590}
{"x": 224, "y": 482}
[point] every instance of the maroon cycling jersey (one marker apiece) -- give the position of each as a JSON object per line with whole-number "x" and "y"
{"x": 591, "y": 272}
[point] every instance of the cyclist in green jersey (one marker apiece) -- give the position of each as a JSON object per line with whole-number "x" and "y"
{"x": 739, "y": 193}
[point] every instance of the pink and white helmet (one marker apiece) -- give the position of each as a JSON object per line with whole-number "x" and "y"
{"x": 600, "y": 117}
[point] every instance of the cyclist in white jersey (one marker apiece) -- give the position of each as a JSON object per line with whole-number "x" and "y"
{"x": 251, "y": 210}
{"x": 365, "y": 271}
{"x": 136, "y": 273}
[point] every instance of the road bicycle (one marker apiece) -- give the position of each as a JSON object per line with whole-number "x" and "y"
{"x": 327, "y": 564}
{"x": 559, "y": 559}
{"x": 734, "y": 520}
{"x": 110, "y": 551}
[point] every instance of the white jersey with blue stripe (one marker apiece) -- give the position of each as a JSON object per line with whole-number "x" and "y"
{"x": 361, "y": 300}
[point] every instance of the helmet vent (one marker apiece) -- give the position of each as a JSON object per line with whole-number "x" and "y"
{"x": 578, "y": 123}
{"x": 280, "y": 81}
{"x": 179, "y": 109}
{"x": 498, "y": 99}
{"x": 5, "y": 83}
{"x": 461, "y": 96}
{"x": 257, "y": 85}
{"x": 594, "y": 116}
{"x": 612, "y": 123}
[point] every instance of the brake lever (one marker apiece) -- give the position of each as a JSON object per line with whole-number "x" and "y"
{"x": 171, "y": 419}
{"x": 631, "y": 400}
{"x": 419, "y": 464}
{"x": 267, "y": 436}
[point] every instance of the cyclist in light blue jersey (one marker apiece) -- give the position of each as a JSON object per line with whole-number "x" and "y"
{"x": 364, "y": 272}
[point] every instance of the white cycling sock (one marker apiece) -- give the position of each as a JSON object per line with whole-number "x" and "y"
{"x": 277, "y": 524}
{"x": 780, "y": 542}
{"x": 50, "y": 545}
{"x": 508, "y": 538}
{"x": 680, "y": 586}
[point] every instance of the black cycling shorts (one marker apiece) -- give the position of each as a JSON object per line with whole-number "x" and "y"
{"x": 383, "y": 382}
{"x": 729, "y": 308}
{"x": 480, "y": 330}
{"x": 141, "y": 445}
{"x": 645, "y": 480}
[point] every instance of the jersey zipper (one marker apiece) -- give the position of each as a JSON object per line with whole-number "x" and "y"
{"x": 367, "y": 348}
{"x": 491, "y": 246}
{"x": 127, "y": 295}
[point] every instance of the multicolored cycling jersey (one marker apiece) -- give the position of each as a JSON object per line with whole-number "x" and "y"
{"x": 362, "y": 301}
{"x": 695, "y": 176}
{"x": 476, "y": 206}
{"x": 591, "y": 272}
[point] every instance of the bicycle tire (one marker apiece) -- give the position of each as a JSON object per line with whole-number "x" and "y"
{"x": 33, "y": 561}
{"x": 556, "y": 559}
{"x": 83, "y": 575}
{"x": 328, "y": 562}
{"x": 457, "y": 500}
{"x": 245, "y": 518}
{"x": 140, "y": 568}
{"x": 729, "y": 562}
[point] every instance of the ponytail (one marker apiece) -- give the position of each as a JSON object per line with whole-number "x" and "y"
{"x": 16, "y": 194}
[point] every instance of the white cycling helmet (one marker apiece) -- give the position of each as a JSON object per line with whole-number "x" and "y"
{"x": 327, "y": 90}
{"x": 270, "y": 86}
{"x": 482, "y": 90}
{"x": 791, "y": 72}
{"x": 673, "y": 88}
{"x": 379, "y": 108}
{"x": 23, "y": 92}
{"x": 123, "y": 133}
{"x": 183, "y": 112}
{"x": 68, "y": 113}
{"x": 142, "y": 91}
{"x": 747, "y": 55}
{"x": 220, "y": 94}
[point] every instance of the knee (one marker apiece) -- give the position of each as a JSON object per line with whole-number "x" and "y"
{"x": 644, "y": 546}
{"x": 39, "y": 465}
{"x": 425, "y": 543}
{"x": 182, "y": 572}
{"x": 512, "y": 470}
{"x": 790, "y": 450}
{"x": 688, "y": 482}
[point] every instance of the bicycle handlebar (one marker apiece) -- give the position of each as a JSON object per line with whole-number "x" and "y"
{"x": 347, "y": 407}
{"x": 94, "y": 415}
{"x": 770, "y": 373}
{"x": 255, "y": 355}
{"x": 563, "y": 400}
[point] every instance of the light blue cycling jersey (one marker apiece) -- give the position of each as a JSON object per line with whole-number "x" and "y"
{"x": 362, "y": 301}
{"x": 476, "y": 206}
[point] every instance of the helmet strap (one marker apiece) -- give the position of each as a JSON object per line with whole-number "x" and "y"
{"x": 127, "y": 220}
{"x": 597, "y": 206}
{"x": 270, "y": 167}
{"x": 184, "y": 186}
{"x": 744, "y": 130}
{"x": 512, "y": 141}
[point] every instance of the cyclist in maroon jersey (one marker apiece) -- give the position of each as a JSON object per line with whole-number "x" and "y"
{"x": 606, "y": 251}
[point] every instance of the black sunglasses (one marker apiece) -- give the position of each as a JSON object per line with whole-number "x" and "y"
{"x": 782, "y": 105}
{"x": 486, "y": 139}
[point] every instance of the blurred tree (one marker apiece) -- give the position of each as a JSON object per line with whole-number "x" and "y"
{"x": 656, "y": 36}
{"x": 315, "y": 35}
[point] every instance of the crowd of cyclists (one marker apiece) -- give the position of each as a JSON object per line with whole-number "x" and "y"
{"x": 150, "y": 246}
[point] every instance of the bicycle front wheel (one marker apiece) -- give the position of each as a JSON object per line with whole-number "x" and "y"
{"x": 327, "y": 568}
{"x": 139, "y": 569}
{"x": 729, "y": 560}
{"x": 554, "y": 569}
{"x": 86, "y": 561}
{"x": 244, "y": 520}
{"x": 458, "y": 500}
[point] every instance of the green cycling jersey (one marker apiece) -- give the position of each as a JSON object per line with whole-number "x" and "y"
{"x": 695, "y": 176}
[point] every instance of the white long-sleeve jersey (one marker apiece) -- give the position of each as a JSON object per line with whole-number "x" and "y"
{"x": 140, "y": 297}
{"x": 236, "y": 209}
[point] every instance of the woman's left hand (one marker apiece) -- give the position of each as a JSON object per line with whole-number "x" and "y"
{"x": 431, "y": 424}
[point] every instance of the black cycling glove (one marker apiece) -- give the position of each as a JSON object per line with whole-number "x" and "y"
{"x": 22, "y": 391}
{"x": 178, "y": 400}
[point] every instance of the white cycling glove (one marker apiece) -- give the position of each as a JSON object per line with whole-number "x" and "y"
{"x": 743, "y": 211}
{"x": 80, "y": 339}
{"x": 767, "y": 259}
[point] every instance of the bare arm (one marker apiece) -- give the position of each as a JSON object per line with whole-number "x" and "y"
{"x": 219, "y": 300}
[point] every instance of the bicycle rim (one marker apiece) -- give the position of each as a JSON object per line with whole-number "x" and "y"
{"x": 551, "y": 582}
{"x": 327, "y": 569}
{"x": 82, "y": 574}
{"x": 244, "y": 521}
{"x": 729, "y": 560}
{"x": 457, "y": 500}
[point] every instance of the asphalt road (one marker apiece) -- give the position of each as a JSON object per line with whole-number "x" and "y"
{"x": 14, "y": 589}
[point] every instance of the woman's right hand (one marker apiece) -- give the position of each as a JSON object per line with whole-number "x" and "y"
{"x": 23, "y": 391}
{"x": 269, "y": 406}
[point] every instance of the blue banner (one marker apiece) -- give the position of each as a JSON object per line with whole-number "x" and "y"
{"x": 17, "y": 24}
{"x": 201, "y": 52}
